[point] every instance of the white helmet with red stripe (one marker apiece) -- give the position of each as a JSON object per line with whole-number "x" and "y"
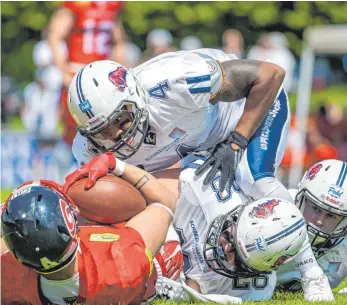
{"x": 322, "y": 198}
{"x": 105, "y": 98}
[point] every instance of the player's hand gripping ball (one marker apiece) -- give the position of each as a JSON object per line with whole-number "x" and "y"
{"x": 111, "y": 200}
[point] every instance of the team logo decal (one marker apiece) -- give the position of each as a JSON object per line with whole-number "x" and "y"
{"x": 150, "y": 138}
{"x": 335, "y": 191}
{"x": 312, "y": 172}
{"x": 104, "y": 237}
{"x": 264, "y": 210}
{"x": 68, "y": 217}
{"x": 118, "y": 78}
{"x": 260, "y": 244}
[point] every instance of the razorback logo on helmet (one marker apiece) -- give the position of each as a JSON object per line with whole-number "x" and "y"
{"x": 312, "y": 172}
{"x": 118, "y": 78}
{"x": 68, "y": 217}
{"x": 265, "y": 209}
{"x": 281, "y": 260}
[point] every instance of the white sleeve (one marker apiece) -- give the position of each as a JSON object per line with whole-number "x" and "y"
{"x": 305, "y": 260}
{"x": 315, "y": 283}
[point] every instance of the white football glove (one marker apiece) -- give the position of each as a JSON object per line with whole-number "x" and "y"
{"x": 317, "y": 288}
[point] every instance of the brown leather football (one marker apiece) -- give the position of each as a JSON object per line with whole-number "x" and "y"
{"x": 111, "y": 200}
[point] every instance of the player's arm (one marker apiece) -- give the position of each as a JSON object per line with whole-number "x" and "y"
{"x": 257, "y": 81}
{"x": 158, "y": 213}
{"x": 152, "y": 223}
{"x": 59, "y": 28}
{"x": 315, "y": 283}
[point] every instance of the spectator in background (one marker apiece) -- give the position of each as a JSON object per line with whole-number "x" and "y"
{"x": 332, "y": 124}
{"x": 158, "y": 41}
{"x": 11, "y": 99}
{"x": 274, "y": 46}
{"x": 41, "y": 97}
{"x": 282, "y": 56}
{"x": 190, "y": 43}
{"x": 261, "y": 50}
{"x": 132, "y": 55}
{"x": 233, "y": 42}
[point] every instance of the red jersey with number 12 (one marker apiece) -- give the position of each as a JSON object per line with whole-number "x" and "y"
{"x": 91, "y": 37}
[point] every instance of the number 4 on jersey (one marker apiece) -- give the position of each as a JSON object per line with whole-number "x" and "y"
{"x": 159, "y": 91}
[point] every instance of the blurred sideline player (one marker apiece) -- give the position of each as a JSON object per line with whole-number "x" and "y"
{"x": 322, "y": 198}
{"x": 62, "y": 263}
{"x": 181, "y": 102}
{"x": 92, "y": 31}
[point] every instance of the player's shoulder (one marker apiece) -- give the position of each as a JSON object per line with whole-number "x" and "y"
{"x": 129, "y": 261}
{"x": 183, "y": 77}
{"x": 122, "y": 236}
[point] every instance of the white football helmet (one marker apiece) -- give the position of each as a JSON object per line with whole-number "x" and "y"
{"x": 105, "y": 93}
{"x": 324, "y": 187}
{"x": 265, "y": 234}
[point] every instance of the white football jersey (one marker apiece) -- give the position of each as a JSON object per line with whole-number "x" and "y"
{"x": 179, "y": 87}
{"x": 333, "y": 264}
{"x": 197, "y": 207}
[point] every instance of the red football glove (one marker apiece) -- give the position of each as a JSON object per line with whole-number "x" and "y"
{"x": 96, "y": 168}
{"x": 171, "y": 252}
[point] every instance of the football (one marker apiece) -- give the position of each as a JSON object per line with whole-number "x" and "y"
{"x": 111, "y": 200}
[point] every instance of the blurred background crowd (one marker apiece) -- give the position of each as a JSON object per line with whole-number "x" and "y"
{"x": 45, "y": 43}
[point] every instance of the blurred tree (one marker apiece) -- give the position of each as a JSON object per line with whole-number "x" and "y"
{"x": 22, "y": 23}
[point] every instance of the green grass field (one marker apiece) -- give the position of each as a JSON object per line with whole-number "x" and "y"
{"x": 284, "y": 299}
{"x": 278, "y": 299}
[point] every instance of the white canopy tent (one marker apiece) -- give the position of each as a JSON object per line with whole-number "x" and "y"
{"x": 317, "y": 40}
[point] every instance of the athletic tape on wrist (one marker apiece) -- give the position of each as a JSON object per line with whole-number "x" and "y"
{"x": 163, "y": 206}
{"x": 119, "y": 170}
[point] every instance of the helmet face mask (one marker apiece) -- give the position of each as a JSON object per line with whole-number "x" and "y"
{"x": 255, "y": 238}
{"x": 220, "y": 250}
{"x": 322, "y": 200}
{"x": 39, "y": 225}
{"x": 132, "y": 137}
